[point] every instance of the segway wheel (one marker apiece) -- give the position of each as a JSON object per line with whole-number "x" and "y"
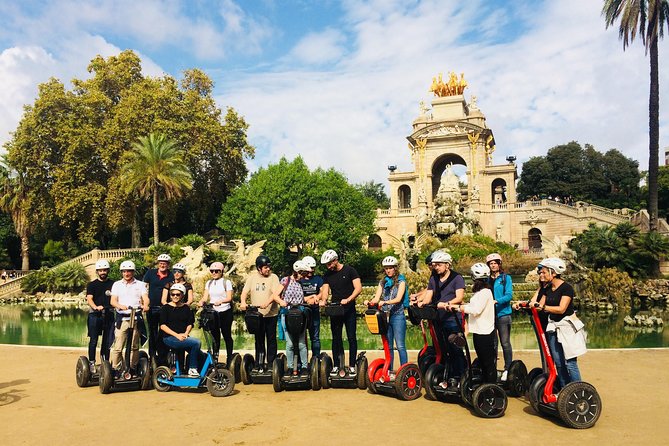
{"x": 362, "y": 373}
{"x": 466, "y": 391}
{"x": 531, "y": 376}
{"x": 425, "y": 361}
{"x": 536, "y": 392}
{"x": 408, "y": 382}
{"x": 579, "y": 405}
{"x": 83, "y": 372}
{"x": 325, "y": 369}
{"x": 106, "y": 377}
{"x": 277, "y": 374}
{"x": 489, "y": 401}
{"x": 314, "y": 368}
{"x": 163, "y": 373}
{"x": 144, "y": 373}
{"x": 247, "y": 366}
{"x": 433, "y": 377}
{"x": 374, "y": 372}
{"x": 235, "y": 366}
{"x": 517, "y": 379}
{"x": 220, "y": 381}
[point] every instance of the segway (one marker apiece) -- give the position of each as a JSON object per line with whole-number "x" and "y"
{"x": 577, "y": 404}
{"x": 127, "y": 378}
{"x": 343, "y": 377}
{"x": 516, "y": 383}
{"x": 217, "y": 378}
{"x": 256, "y": 371}
{"x": 234, "y": 361}
{"x": 297, "y": 319}
{"x": 84, "y": 375}
{"x": 488, "y": 400}
{"x": 428, "y": 354}
{"x": 407, "y": 380}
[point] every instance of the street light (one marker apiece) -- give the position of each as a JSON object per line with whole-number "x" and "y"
{"x": 392, "y": 168}
{"x": 511, "y": 159}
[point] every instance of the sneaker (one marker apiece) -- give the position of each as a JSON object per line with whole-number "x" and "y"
{"x": 443, "y": 385}
{"x": 193, "y": 372}
{"x": 334, "y": 371}
{"x": 452, "y": 382}
{"x": 504, "y": 375}
{"x": 91, "y": 366}
{"x": 351, "y": 371}
{"x": 392, "y": 376}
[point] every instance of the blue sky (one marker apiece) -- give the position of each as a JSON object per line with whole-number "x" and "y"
{"x": 339, "y": 82}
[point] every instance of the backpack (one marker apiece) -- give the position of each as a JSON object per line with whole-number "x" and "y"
{"x": 292, "y": 291}
{"x": 405, "y": 300}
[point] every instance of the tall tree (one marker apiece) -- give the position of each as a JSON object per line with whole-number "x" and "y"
{"x": 376, "y": 192}
{"x": 647, "y": 18}
{"x": 14, "y": 200}
{"x": 156, "y": 165}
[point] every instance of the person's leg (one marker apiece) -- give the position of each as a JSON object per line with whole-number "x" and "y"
{"x": 485, "y": 351}
{"x": 350, "y": 322}
{"x": 226, "y": 331}
{"x": 290, "y": 354}
{"x": 303, "y": 349}
{"x": 399, "y": 324}
{"x": 558, "y": 358}
{"x": 390, "y": 336}
{"x": 94, "y": 327}
{"x": 216, "y": 335}
{"x": 107, "y": 335}
{"x": 315, "y": 330}
{"x": 572, "y": 368}
{"x": 193, "y": 346}
{"x": 120, "y": 336}
{"x": 134, "y": 350}
{"x": 270, "y": 332}
{"x": 336, "y": 325}
{"x": 153, "y": 319}
{"x": 260, "y": 343}
{"x": 504, "y": 332}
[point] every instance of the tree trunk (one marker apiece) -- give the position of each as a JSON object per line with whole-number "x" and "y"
{"x": 25, "y": 253}
{"x": 653, "y": 135}
{"x": 155, "y": 216}
{"x": 135, "y": 233}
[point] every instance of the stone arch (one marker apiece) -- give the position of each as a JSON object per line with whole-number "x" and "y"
{"x": 498, "y": 191}
{"x": 534, "y": 239}
{"x": 374, "y": 242}
{"x": 404, "y": 197}
{"x": 439, "y": 166}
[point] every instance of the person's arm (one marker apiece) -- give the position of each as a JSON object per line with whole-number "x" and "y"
{"x": 507, "y": 295}
{"x": 228, "y": 292}
{"x": 205, "y": 297}
{"x": 415, "y": 297}
{"x": 377, "y": 296}
{"x": 459, "y": 296}
{"x": 400, "y": 294}
{"x": 427, "y": 298}
{"x": 115, "y": 303}
{"x": 557, "y": 309}
{"x": 276, "y": 295}
{"x": 242, "y": 297}
{"x": 163, "y": 298}
{"x": 91, "y": 303}
{"x": 357, "y": 289}
{"x": 189, "y": 293}
{"x": 475, "y": 306}
{"x": 145, "y": 302}
{"x": 325, "y": 293}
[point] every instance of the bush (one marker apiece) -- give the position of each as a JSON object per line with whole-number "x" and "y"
{"x": 140, "y": 266}
{"x": 174, "y": 251}
{"x": 53, "y": 253}
{"x": 211, "y": 256}
{"x": 37, "y": 281}
{"x": 192, "y": 240}
{"x": 607, "y": 284}
{"x": 68, "y": 278}
{"x": 367, "y": 263}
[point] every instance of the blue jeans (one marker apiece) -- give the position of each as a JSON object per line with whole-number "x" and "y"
{"x": 567, "y": 370}
{"x": 397, "y": 330}
{"x": 315, "y": 330}
{"x": 302, "y": 348}
{"x": 191, "y": 344}
{"x": 450, "y": 324}
{"x": 503, "y": 326}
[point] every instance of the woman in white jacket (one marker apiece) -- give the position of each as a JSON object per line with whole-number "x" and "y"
{"x": 481, "y": 311}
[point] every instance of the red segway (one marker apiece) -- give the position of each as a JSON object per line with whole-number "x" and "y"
{"x": 429, "y": 354}
{"x": 577, "y": 404}
{"x": 407, "y": 381}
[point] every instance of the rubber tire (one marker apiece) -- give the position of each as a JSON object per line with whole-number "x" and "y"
{"x": 314, "y": 369}
{"x": 579, "y": 399}
{"x": 277, "y": 374}
{"x": 324, "y": 371}
{"x": 531, "y": 376}
{"x": 235, "y": 366}
{"x": 247, "y": 366}
{"x": 432, "y": 379}
{"x": 106, "y": 377}
{"x": 83, "y": 372}
{"x": 489, "y": 401}
{"x": 373, "y": 370}
{"x": 408, "y": 383}
{"x": 536, "y": 391}
{"x": 516, "y": 379}
{"x": 162, "y": 372}
{"x": 220, "y": 381}
{"x": 144, "y": 371}
{"x": 361, "y": 378}
{"x": 466, "y": 391}
{"x": 425, "y": 361}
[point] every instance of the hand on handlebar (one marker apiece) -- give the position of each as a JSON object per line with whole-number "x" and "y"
{"x": 242, "y": 306}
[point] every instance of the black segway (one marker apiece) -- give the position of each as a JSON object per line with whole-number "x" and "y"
{"x": 127, "y": 378}
{"x": 84, "y": 375}
{"x": 430, "y": 353}
{"x": 516, "y": 383}
{"x": 343, "y": 377}
{"x": 232, "y": 363}
{"x": 297, "y": 319}
{"x": 256, "y": 370}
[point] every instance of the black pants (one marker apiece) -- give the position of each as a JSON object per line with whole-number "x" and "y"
{"x": 336, "y": 324}
{"x": 485, "y": 351}
{"x": 100, "y": 324}
{"x": 223, "y": 326}
{"x": 266, "y": 330}
{"x": 156, "y": 347}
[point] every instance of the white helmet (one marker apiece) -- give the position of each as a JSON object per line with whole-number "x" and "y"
{"x": 128, "y": 265}
{"x": 298, "y": 266}
{"x": 494, "y": 256}
{"x": 554, "y": 263}
{"x": 480, "y": 271}
{"x": 441, "y": 257}
{"x": 178, "y": 287}
{"x": 102, "y": 264}
{"x": 389, "y": 261}
{"x": 328, "y": 256}
{"x": 180, "y": 266}
{"x": 164, "y": 258}
{"x": 309, "y": 261}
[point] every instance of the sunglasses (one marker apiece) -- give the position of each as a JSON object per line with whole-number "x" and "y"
{"x": 178, "y": 271}
{"x": 175, "y": 294}
{"x": 215, "y": 271}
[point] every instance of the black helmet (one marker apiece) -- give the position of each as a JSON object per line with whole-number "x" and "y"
{"x": 262, "y": 260}
{"x": 428, "y": 259}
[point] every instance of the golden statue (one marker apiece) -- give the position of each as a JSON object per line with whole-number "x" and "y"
{"x": 453, "y": 87}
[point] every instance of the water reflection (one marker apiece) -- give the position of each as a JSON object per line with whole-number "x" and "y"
{"x": 64, "y": 324}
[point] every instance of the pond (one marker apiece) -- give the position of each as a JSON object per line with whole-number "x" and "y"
{"x": 62, "y": 324}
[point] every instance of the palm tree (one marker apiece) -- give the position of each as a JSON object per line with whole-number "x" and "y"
{"x": 13, "y": 200}
{"x": 156, "y": 165}
{"x": 647, "y": 17}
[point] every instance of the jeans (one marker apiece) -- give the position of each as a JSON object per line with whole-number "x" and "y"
{"x": 153, "y": 319}
{"x": 487, "y": 354}
{"x": 302, "y": 347}
{"x": 191, "y": 344}
{"x": 450, "y": 324}
{"x": 336, "y": 324}
{"x": 315, "y": 330}
{"x": 567, "y": 370}
{"x": 503, "y": 326}
{"x": 121, "y": 336}
{"x": 397, "y": 330}
{"x": 100, "y": 323}
{"x": 267, "y": 330}
{"x": 222, "y": 325}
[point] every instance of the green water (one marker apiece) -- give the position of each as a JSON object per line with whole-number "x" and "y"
{"x": 65, "y": 325}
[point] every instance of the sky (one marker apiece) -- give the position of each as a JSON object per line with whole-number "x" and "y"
{"x": 339, "y": 82}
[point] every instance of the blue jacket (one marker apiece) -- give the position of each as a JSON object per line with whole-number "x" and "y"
{"x": 503, "y": 294}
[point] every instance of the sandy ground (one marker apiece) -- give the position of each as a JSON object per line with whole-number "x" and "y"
{"x": 40, "y": 401}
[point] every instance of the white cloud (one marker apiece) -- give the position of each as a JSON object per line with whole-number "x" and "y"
{"x": 319, "y": 48}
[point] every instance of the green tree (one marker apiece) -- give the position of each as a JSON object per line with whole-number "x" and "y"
{"x": 646, "y": 17}
{"x": 290, "y": 206}
{"x": 156, "y": 166}
{"x": 53, "y": 253}
{"x": 376, "y": 192}
{"x": 14, "y": 201}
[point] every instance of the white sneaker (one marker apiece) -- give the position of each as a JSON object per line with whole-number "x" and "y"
{"x": 504, "y": 375}
{"x": 334, "y": 371}
{"x": 91, "y": 366}
{"x": 351, "y": 370}
{"x": 193, "y": 372}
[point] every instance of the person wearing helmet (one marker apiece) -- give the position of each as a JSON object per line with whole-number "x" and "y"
{"x": 100, "y": 313}
{"x": 176, "y": 323}
{"x": 218, "y": 291}
{"x": 557, "y": 299}
{"x": 344, "y": 283}
{"x": 311, "y": 286}
{"x": 481, "y": 311}
{"x": 179, "y": 272}
{"x": 416, "y": 297}
{"x": 446, "y": 285}
{"x": 263, "y": 288}
{"x": 292, "y": 294}
{"x": 502, "y": 289}
{"x": 156, "y": 279}
{"x": 389, "y": 297}
{"x": 125, "y": 294}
